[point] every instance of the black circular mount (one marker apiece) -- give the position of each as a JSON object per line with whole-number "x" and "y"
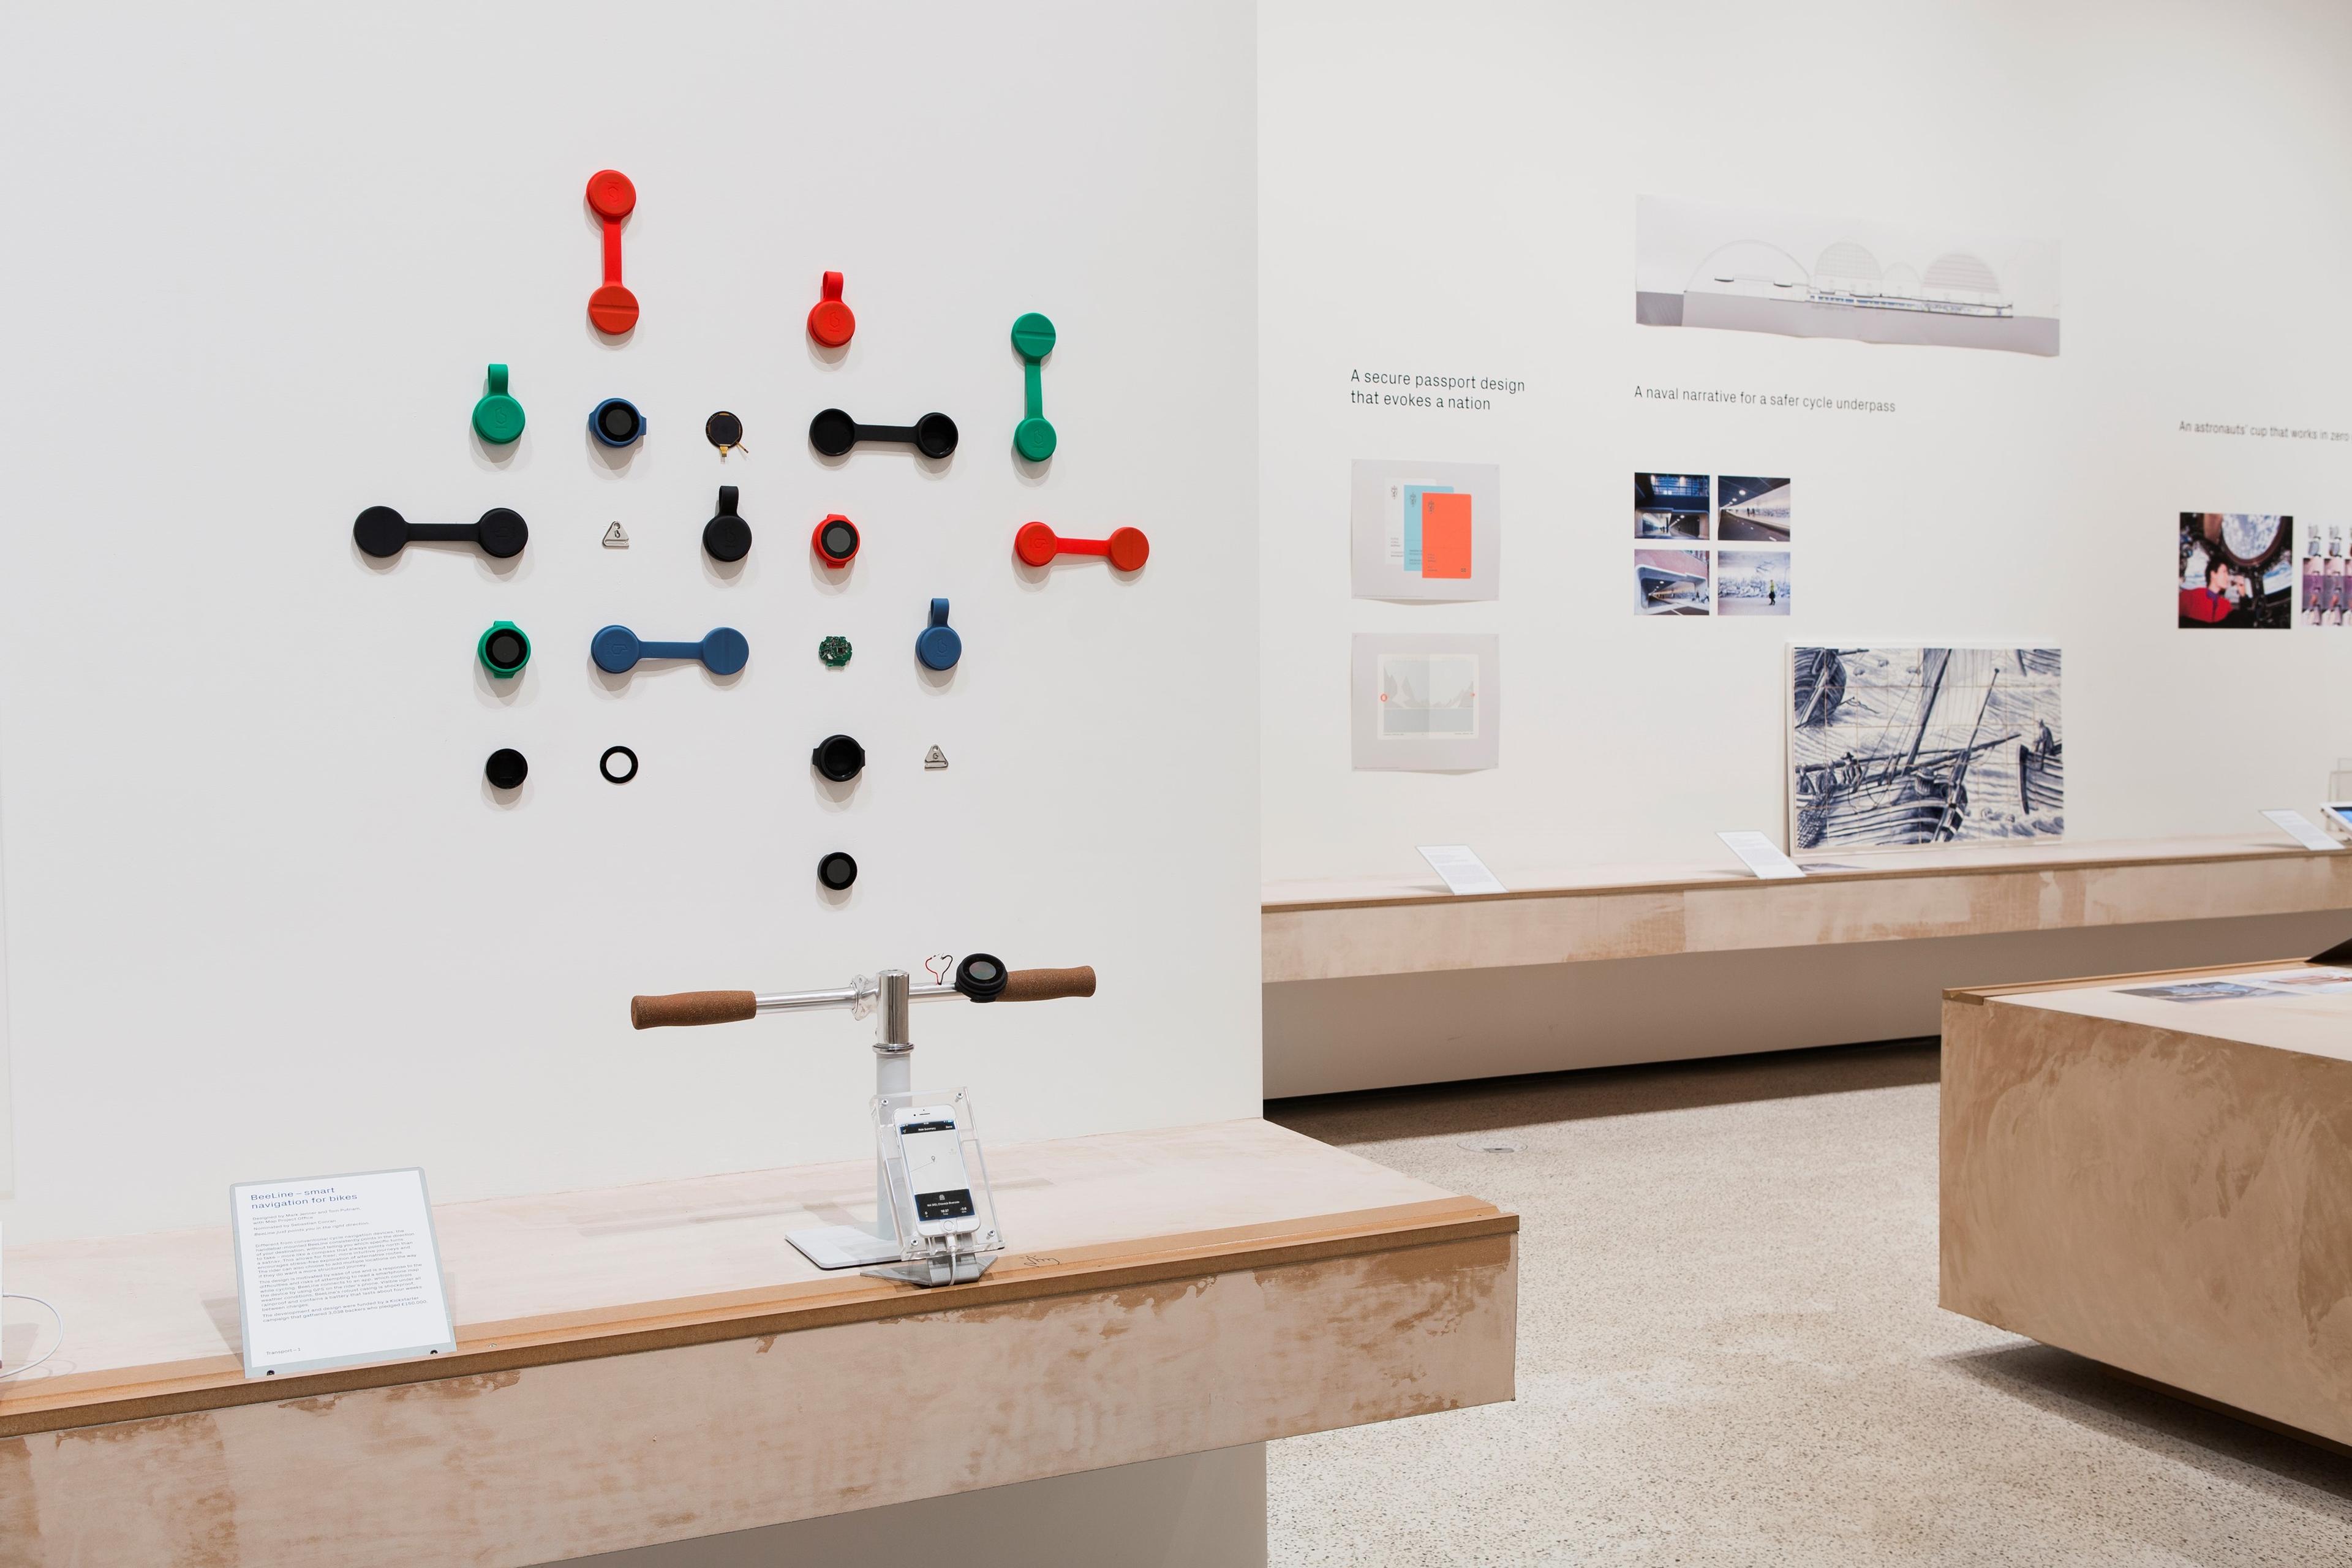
{"x": 981, "y": 976}
{"x": 618, "y": 422}
{"x": 833, "y": 432}
{"x": 727, "y": 537}
{"x": 935, "y": 436}
{"x": 839, "y": 758}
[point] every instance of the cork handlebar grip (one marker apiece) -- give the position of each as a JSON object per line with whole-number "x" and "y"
{"x": 1046, "y": 984}
{"x": 684, "y": 1007}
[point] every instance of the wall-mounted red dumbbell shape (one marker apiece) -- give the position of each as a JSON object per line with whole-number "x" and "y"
{"x": 830, "y": 322}
{"x": 1127, "y": 547}
{"x": 612, "y": 197}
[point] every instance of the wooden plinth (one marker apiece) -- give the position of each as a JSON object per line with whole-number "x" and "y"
{"x": 1332, "y": 930}
{"x": 651, "y": 1363}
{"x": 2164, "y": 1186}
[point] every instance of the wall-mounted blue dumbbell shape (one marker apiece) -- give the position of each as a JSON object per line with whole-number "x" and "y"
{"x": 722, "y": 651}
{"x": 937, "y": 645}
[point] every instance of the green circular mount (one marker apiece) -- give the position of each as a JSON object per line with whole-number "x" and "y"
{"x": 503, "y": 650}
{"x": 498, "y": 418}
{"x": 1034, "y": 438}
{"x": 834, "y": 651}
{"x": 1032, "y": 336}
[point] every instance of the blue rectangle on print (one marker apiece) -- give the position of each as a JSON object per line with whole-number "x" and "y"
{"x": 1412, "y": 494}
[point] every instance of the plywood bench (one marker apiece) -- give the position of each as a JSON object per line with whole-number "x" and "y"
{"x": 1341, "y": 929}
{"x": 655, "y": 1362}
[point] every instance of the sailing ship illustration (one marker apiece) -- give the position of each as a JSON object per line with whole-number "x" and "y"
{"x": 1907, "y": 783}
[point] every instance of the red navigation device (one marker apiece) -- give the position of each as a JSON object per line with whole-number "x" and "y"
{"x": 612, "y": 197}
{"x": 1037, "y": 544}
{"x": 830, "y": 322}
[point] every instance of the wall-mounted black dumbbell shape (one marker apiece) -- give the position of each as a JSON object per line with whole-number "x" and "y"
{"x": 727, "y": 537}
{"x": 839, "y": 758}
{"x": 833, "y": 433}
{"x": 381, "y": 531}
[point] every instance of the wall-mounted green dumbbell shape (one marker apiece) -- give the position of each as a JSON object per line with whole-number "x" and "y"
{"x": 1033, "y": 339}
{"x": 503, "y": 650}
{"x": 498, "y": 418}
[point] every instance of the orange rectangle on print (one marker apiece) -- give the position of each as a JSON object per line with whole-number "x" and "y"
{"x": 1444, "y": 535}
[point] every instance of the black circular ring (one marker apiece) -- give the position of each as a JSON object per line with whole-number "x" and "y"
{"x": 837, "y": 871}
{"x": 604, "y": 764}
{"x": 621, "y": 421}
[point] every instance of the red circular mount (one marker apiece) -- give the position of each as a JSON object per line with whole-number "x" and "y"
{"x": 830, "y": 322}
{"x": 612, "y": 309}
{"x": 611, "y": 195}
{"x": 842, "y": 547}
{"x": 1128, "y": 548}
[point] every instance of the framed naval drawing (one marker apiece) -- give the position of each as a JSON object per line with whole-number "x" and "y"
{"x": 1923, "y": 745}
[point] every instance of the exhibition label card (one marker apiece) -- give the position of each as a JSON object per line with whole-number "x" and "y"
{"x": 1761, "y": 856}
{"x": 2303, "y": 830}
{"x": 1462, "y": 871}
{"x": 337, "y": 1270}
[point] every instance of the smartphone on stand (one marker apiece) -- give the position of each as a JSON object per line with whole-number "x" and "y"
{"x": 930, "y": 1145}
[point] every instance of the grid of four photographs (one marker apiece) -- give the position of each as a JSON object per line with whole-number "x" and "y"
{"x": 1712, "y": 545}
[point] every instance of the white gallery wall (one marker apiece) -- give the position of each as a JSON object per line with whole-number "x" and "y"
{"x": 264, "y": 918}
{"x": 1452, "y": 193}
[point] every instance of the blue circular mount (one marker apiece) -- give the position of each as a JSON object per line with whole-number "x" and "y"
{"x": 616, "y": 421}
{"x": 723, "y": 650}
{"x": 938, "y": 645}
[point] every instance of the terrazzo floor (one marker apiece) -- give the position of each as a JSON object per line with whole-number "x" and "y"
{"x": 1730, "y": 1353}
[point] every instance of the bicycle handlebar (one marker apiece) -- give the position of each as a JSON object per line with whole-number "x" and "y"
{"x": 683, "y": 1009}
{"x": 1046, "y": 984}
